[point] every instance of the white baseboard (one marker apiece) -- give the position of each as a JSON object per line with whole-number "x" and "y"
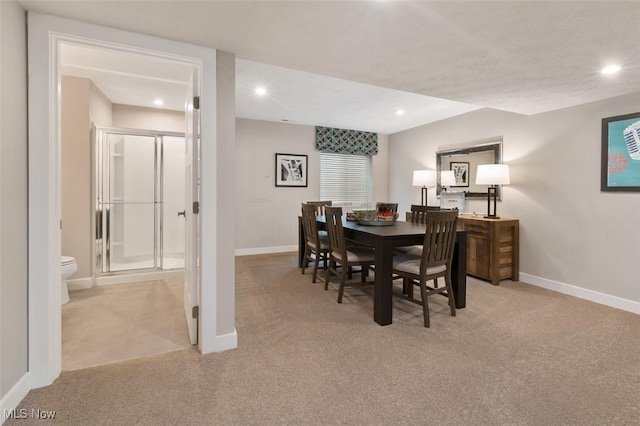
{"x": 80, "y": 283}
{"x": 15, "y": 395}
{"x": 582, "y": 293}
{"x": 222, "y": 343}
{"x": 266, "y": 250}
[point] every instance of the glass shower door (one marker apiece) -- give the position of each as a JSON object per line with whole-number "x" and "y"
{"x": 129, "y": 202}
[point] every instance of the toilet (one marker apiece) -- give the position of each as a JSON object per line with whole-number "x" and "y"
{"x": 69, "y": 267}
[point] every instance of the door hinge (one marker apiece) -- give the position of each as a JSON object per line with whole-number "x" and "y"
{"x": 196, "y": 102}
{"x": 196, "y": 207}
{"x": 195, "y": 311}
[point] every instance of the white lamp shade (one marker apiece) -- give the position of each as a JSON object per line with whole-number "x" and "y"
{"x": 492, "y": 174}
{"x": 447, "y": 178}
{"x": 425, "y": 178}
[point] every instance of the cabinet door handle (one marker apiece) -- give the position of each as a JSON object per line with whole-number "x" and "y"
{"x": 183, "y": 213}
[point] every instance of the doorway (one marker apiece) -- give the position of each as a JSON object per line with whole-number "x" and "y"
{"x": 46, "y": 35}
{"x": 124, "y": 182}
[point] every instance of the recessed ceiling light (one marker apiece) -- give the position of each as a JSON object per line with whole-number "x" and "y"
{"x": 261, "y": 91}
{"x": 399, "y": 111}
{"x": 158, "y": 102}
{"x": 611, "y": 69}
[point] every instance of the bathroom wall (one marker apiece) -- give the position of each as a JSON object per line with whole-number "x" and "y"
{"x": 82, "y": 103}
{"x": 266, "y": 216}
{"x": 76, "y": 173}
{"x": 14, "y": 383}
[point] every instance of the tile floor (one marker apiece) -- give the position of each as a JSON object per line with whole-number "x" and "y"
{"x": 123, "y": 321}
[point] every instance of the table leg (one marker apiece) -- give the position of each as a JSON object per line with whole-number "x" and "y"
{"x": 383, "y": 292}
{"x": 459, "y": 270}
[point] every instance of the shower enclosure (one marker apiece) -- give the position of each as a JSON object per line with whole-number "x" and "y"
{"x": 140, "y": 200}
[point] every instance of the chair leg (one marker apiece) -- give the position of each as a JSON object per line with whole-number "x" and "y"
{"x": 305, "y": 260}
{"x": 315, "y": 267}
{"x": 425, "y": 303}
{"x": 364, "y": 273}
{"x": 343, "y": 279}
{"x": 410, "y": 288}
{"x": 332, "y": 264}
{"x": 452, "y": 301}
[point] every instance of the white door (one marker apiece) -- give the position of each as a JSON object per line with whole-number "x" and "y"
{"x": 192, "y": 181}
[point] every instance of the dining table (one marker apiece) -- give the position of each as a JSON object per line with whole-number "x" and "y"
{"x": 384, "y": 239}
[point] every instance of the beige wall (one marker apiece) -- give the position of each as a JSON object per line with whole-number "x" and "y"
{"x": 13, "y": 197}
{"x": 76, "y": 173}
{"x": 266, "y": 215}
{"x": 100, "y": 107}
{"x": 132, "y": 117}
{"x": 570, "y": 232}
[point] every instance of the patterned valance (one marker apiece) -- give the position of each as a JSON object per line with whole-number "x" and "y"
{"x": 341, "y": 141}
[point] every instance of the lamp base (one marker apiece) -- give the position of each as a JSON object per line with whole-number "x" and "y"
{"x": 492, "y": 192}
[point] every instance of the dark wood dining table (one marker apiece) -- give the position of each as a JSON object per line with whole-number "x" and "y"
{"x": 385, "y": 239}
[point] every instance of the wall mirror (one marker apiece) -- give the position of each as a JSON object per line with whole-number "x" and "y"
{"x": 464, "y": 161}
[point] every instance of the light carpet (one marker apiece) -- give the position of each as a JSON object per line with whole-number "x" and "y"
{"x": 516, "y": 355}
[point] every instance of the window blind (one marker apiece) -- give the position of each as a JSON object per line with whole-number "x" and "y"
{"x": 345, "y": 178}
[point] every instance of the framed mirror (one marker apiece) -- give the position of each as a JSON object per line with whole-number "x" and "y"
{"x": 464, "y": 161}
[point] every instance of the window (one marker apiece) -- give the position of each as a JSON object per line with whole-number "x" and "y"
{"x": 345, "y": 178}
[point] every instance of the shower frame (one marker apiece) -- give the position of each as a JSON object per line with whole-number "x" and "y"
{"x": 102, "y": 207}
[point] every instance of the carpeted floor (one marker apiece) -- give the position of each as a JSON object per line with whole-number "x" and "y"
{"x": 516, "y": 355}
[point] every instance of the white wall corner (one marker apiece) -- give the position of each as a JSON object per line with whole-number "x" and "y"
{"x": 15, "y": 395}
{"x": 220, "y": 343}
{"x": 266, "y": 250}
{"x": 582, "y": 293}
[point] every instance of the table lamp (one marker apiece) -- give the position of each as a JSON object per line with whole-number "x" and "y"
{"x": 425, "y": 179}
{"x": 493, "y": 175}
{"x": 447, "y": 179}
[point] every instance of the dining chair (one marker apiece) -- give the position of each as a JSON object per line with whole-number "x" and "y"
{"x": 320, "y": 205}
{"x": 418, "y": 212}
{"x": 347, "y": 256}
{"x": 433, "y": 263}
{"x": 315, "y": 248}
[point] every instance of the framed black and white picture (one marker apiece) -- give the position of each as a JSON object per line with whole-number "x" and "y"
{"x": 461, "y": 173}
{"x": 291, "y": 170}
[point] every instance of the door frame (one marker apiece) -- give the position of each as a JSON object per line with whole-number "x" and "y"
{"x": 45, "y": 35}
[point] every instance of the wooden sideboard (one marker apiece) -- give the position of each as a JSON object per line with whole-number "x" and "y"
{"x": 492, "y": 247}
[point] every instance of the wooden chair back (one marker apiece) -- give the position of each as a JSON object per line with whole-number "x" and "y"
{"x": 309, "y": 224}
{"x": 439, "y": 239}
{"x": 419, "y": 213}
{"x": 337, "y": 242}
{"x": 320, "y": 205}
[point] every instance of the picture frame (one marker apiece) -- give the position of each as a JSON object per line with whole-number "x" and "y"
{"x": 291, "y": 170}
{"x": 461, "y": 173}
{"x": 620, "y": 155}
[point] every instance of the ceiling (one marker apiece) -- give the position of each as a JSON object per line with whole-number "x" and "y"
{"x": 521, "y": 56}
